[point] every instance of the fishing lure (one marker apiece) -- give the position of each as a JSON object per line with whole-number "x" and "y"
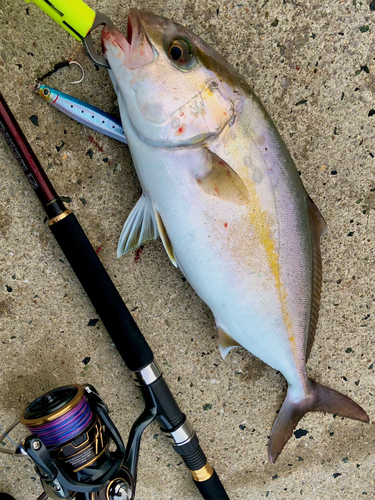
{"x": 84, "y": 113}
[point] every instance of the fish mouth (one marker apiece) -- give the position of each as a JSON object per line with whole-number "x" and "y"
{"x": 135, "y": 50}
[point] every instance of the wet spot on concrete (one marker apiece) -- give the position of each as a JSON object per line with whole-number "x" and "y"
{"x": 93, "y": 322}
{"x": 300, "y": 433}
{"x": 34, "y": 120}
{"x": 4, "y": 307}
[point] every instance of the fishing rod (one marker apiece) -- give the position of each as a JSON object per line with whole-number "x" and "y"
{"x": 59, "y": 477}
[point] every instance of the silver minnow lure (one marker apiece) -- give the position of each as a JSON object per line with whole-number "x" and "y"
{"x": 84, "y": 113}
{"x": 222, "y": 191}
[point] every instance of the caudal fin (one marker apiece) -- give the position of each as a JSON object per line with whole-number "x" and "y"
{"x": 318, "y": 398}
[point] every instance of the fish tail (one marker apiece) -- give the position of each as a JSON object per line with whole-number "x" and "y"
{"x": 317, "y": 398}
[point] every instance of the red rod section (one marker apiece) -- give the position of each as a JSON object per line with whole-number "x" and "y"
{"x": 25, "y": 155}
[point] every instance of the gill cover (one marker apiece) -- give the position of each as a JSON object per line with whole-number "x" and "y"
{"x": 168, "y": 97}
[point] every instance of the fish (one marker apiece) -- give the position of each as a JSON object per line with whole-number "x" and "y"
{"x": 84, "y": 113}
{"x": 223, "y": 193}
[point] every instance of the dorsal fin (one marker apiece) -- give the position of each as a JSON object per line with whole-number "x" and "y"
{"x": 318, "y": 227}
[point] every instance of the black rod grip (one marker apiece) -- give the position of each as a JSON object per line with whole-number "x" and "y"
{"x": 103, "y": 294}
{"x": 212, "y": 489}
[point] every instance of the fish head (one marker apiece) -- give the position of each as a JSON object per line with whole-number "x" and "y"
{"x": 169, "y": 82}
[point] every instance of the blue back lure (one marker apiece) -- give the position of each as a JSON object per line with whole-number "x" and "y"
{"x": 84, "y": 113}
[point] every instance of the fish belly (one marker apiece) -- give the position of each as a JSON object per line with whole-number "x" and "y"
{"x": 251, "y": 264}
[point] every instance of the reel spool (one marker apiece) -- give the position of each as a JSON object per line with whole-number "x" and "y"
{"x": 70, "y": 440}
{"x": 58, "y": 417}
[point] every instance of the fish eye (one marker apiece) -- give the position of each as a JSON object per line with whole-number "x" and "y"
{"x": 180, "y": 52}
{"x": 176, "y": 53}
{"x": 46, "y": 92}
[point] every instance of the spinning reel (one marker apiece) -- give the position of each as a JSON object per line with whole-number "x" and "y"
{"x": 76, "y": 448}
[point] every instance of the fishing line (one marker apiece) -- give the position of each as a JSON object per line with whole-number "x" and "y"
{"x": 60, "y": 428}
{"x": 61, "y": 65}
{"x": 5, "y": 434}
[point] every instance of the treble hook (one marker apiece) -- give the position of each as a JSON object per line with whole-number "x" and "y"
{"x": 62, "y": 65}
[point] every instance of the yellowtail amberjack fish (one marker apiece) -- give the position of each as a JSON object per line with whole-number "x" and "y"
{"x": 223, "y": 193}
{"x": 84, "y": 113}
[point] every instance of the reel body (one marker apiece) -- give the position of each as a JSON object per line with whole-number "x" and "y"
{"x": 77, "y": 450}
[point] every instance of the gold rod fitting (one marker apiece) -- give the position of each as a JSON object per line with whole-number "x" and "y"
{"x": 202, "y": 474}
{"x": 60, "y": 217}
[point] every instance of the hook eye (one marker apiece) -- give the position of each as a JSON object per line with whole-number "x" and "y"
{"x": 98, "y": 59}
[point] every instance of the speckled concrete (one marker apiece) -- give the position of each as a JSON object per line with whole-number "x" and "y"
{"x": 312, "y": 64}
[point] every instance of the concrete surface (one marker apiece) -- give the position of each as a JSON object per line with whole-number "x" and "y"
{"x": 312, "y": 64}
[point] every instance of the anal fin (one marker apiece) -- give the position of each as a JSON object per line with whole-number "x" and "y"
{"x": 226, "y": 342}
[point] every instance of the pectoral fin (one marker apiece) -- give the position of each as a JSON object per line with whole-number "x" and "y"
{"x": 226, "y": 343}
{"x": 223, "y": 182}
{"x": 140, "y": 226}
{"x": 164, "y": 237}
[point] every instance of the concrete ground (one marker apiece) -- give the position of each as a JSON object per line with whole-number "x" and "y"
{"x": 312, "y": 65}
